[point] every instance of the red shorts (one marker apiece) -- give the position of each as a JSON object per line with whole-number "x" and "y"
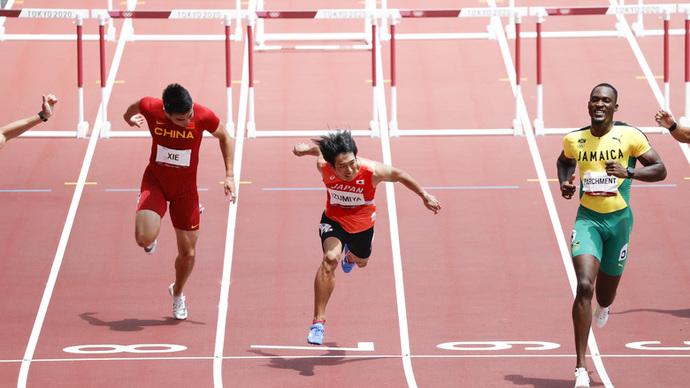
{"x": 183, "y": 198}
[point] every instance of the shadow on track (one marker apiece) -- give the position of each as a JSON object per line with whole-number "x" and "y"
{"x": 545, "y": 383}
{"x": 306, "y": 365}
{"x": 676, "y": 313}
{"x": 130, "y": 324}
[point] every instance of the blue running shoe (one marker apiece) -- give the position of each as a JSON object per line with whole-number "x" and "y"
{"x": 315, "y": 336}
{"x": 347, "y": 266}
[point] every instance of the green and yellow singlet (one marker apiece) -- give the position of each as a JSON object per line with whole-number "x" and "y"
{"x": 624, "y": 144}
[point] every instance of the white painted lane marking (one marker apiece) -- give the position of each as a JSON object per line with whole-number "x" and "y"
{"x": 361, "y": 347}
{"x": 110, "y": 349}
{"x": 644, "y": 345}
{"x": 498, "y": 345}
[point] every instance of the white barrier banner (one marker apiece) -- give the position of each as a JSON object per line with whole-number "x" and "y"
{"x": 491, "y": 12}
{"x": 341, "y": 14}
{"x": 201, "y": 14}
{"x": 53, "y": 13}
{"x": 653, "y": 9}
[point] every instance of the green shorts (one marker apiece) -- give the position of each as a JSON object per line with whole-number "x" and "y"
{"x": 604, "y": 235}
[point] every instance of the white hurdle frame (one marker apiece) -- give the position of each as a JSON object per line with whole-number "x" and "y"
{"x": 375, "y": 20}
{"x": 53, "y": 13}
{"x": 261, "y": 36}
{"x": 224, "y": 15}
{"x": 513, "y": 13}
{"x": 369, "y": 16}
{"x": 238, "y": 25}
{"x": 685, "y": 8}
{"x": 656, "y": 9}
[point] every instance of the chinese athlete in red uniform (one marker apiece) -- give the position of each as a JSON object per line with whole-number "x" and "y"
{"x": 347, "y": 224}
{"x": 176, "y": 124}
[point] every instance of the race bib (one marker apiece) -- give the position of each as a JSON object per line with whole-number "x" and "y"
{"x": 598, "y": 183}
{"x": 173, "y": 158}
{"x": 346, "y": 199}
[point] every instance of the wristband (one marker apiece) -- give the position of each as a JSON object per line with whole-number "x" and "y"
{"x": 40, "y": 114}
{"x": 672, "y": 127}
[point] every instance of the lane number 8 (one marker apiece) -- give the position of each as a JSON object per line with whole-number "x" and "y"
{"x": 138, "y": 349}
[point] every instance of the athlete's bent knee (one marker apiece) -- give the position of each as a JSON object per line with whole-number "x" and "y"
{"x": 143, "y": 240}
{"x": 330, "y": 260}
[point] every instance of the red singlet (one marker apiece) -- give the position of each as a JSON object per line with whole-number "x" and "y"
{"x": 171, "y": 172}
{"x": 183, "y": 143}
{"x": 351, "y": 204}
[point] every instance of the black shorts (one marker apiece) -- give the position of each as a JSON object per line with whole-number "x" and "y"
{"x": 358, "y": 243}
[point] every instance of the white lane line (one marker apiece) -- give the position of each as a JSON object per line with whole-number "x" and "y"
{"x": 69, "y": 222}
{"x": 543, "y": 183}
{"x": 361, "y": 347}
{"x": 346, "y": 356}
{"x": 393, "y": 220}
{"x": 223, "y": 301}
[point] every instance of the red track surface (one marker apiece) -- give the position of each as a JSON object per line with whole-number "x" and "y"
{"x": 488, "y": 268}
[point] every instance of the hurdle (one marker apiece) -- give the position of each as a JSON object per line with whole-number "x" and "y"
{"x": 238, "y": 30}
{"x": 514, "y": 13}
{"x": 638, "y": 26}
{"x": 42, "y": 13}
{"x": 71, "y": 14}
{"x": 620, "y": 11}
{"x": 261, "y": 36}
{"x": 225, "y": 15}
{"x": 685, "y": 120}
{"x": 370, "y": 16}
{"x": 183, "y": 14}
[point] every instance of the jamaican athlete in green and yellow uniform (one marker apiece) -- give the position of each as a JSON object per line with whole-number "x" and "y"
{"x": 606, "y": 153}
{"x": 604, "y": 219}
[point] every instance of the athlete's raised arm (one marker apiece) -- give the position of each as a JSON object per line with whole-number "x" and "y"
{"x": 132, "y": 116}
{"x": 388, "y": 173}
{"x": 666, "y": 120}
{"x": 302, "y": 149}
{"x": 16, "y": 128}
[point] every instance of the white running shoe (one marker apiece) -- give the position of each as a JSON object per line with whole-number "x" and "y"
{"x": 151, "y": 248}
{"x": 601, "y": 315}
{"x": 581, "y": 378}
{"x": 179, "y": 307}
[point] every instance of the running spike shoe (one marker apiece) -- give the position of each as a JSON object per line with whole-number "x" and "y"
{"x": 316, "y": 332}
{"x": 347, "y": 266}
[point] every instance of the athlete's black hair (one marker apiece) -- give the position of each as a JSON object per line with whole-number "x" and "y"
{"x": 607, "y": 85}
{"x": 176, "y": 99}
{"x": 336, "y": 143}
